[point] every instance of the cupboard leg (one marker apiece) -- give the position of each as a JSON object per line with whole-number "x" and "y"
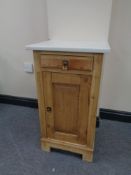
{"x": 87, "y": 157}
{"x": 45, "y": 147}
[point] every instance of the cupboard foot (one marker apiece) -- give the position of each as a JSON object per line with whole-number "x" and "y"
{"x": 45, "y": 147}
{"x": 87, "y": 157}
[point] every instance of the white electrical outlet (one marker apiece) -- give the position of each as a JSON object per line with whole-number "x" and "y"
{"x": 28, "y": 67}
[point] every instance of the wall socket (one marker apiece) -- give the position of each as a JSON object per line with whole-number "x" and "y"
{"x": 28, "y": 67}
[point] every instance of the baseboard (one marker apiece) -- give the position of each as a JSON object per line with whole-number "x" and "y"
{"x": 28, "y": 102}
{"x": 20, "y": 101}
{"x": 97, "y": 122}
{"x": 115, "y": 115}
{"x": 108, "y": 114}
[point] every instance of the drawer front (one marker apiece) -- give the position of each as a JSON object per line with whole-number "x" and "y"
{"x": 67, "y": 62}
{"x": 81, "y": 63}
{"x": 51, "y": 61}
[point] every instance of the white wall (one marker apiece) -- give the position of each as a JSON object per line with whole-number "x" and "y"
{"x": 89, "y": 20}
{"x": 21, "y": 22}
{"x": 24, "y": 22}
{"x": 116, "y": 84}
{"x": 79, "y": 19}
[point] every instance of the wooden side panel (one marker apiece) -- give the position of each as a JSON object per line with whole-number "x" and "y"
{"x": 40, "y": 94}
{"x": 95, "y": 84}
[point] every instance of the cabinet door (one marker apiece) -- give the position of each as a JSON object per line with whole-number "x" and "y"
{"x": 67, "y": 99}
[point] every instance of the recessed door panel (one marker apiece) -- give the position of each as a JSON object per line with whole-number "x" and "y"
{"x": 66, "y": 107}
{"x": 67, "y": 100}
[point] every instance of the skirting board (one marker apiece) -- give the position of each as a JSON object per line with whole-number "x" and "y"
{"x": 28, "y": 102}
{"x": 115, "y": 115}
{"x": 104, "y": 113}
{"x": 20, "y": 101}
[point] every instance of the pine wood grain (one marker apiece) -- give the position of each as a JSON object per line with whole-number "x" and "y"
{"x": 68, "y": 100}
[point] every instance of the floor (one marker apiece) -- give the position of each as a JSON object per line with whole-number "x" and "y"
{"x": 20, "y": 152}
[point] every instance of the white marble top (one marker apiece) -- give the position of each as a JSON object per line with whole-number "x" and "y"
{"x": 71, "y": 46}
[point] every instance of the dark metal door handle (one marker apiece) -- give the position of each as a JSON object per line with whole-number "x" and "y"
{"x": 49, "y": 109}
{"x": 65, "y": 64}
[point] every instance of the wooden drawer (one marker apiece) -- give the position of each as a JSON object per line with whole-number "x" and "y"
{"x": 67, "y": 62}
